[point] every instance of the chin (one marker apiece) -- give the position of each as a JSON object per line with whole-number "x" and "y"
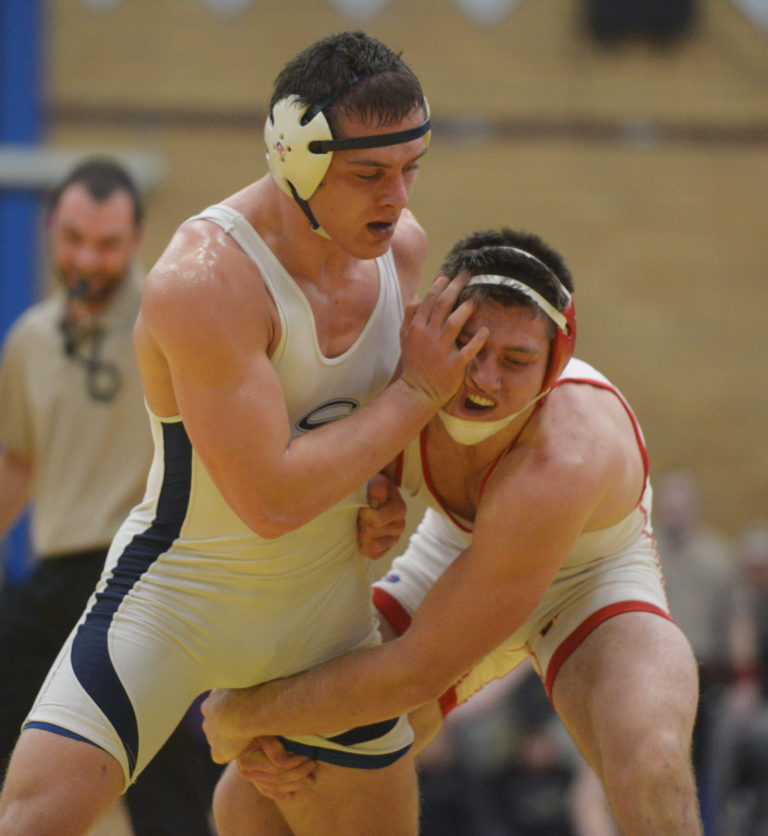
{"x": 368, "y": 250}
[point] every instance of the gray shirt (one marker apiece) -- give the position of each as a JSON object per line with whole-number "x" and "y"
{"x": 91, "y": 455}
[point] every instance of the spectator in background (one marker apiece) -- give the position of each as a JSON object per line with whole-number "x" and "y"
{"x": 701, "y": 580}
{"x": 75, "y": 440}
{"x": 739, "y": 748}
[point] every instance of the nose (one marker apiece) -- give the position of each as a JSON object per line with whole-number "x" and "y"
{"x": 396, "y": 192}
{"x": 86, "y": 258}
{"x": 483, "y": 372}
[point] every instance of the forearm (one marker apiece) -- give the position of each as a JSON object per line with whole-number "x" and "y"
{"x": 363, "y": 687}
{"x": 322, "y": 467}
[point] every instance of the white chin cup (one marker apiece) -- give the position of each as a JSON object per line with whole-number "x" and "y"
{"x": 467, "y": 432}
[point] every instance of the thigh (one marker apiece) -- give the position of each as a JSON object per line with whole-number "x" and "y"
{"x": 125, "y": 694}
{"x": 376, "y": 802}
{"x": 47, "y": 771}
{"x": 241, "y": 810}
{"x": 634, "y": 673}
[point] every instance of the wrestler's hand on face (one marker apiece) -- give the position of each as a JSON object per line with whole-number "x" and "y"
{"x": 432, "y": 363}
{"x": 381, "y": 523}
{"x": 276, "y": 773}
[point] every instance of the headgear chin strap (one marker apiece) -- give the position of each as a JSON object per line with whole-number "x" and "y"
{"x": 300, "y": 145}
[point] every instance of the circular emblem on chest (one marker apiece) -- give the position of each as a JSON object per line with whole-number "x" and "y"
{"x": 327, "y": 412}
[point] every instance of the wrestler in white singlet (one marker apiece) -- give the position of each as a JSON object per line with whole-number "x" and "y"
{"x": 191, "y": 599}
{"x": 609, "y": 571}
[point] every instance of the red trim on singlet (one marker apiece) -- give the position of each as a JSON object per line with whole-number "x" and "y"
{"x": 398, "y": 617}
{"x": 400, "y": 620}
{"x": 430, "y": 487}
{"x": 587, "y": 626}
{"x": 448, "y": 701}
{"x": 492, "y": 467}
{"x": 609, "y": 387}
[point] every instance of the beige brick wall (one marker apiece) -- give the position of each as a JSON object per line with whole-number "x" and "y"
{"x": 666, "y": 232}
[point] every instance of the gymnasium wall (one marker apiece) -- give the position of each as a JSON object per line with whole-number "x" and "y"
{"x": 647, "y": 165}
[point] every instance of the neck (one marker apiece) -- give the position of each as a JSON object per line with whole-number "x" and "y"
{"x": 286, "y": 231}
{"x": 477, "y": 456}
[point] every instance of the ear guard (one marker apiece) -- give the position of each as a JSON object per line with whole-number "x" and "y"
{"x": 288, "y": 134}
{"x": 563, "y": 347}
{"x": 300, "y": 146}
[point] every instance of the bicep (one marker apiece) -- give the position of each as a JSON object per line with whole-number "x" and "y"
{"x": 213, "y": 344}
{"x": 232, "y": 404}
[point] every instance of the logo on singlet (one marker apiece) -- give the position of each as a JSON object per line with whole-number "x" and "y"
{"x": 326, "y": 413}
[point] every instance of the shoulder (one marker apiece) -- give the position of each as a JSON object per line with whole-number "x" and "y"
{"x": 594, "y": 404}
{"x": 200, "y": 262}
{"x": 202, "y": 284}
{"x": 409, "y": 250}
{"x": 581, "y": 424}
{"x": 582, "y": 443}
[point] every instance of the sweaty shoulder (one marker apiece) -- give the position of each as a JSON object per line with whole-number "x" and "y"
{"x": 409, "y": 249}
{"x": 205, "y": 289}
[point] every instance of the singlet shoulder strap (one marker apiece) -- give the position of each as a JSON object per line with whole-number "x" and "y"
{"x": 236, "y": 225}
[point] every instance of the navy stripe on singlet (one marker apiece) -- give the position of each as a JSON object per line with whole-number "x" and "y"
{"x": 90, "y": 652}
{"x": 350, "y": 758}
{"x": 361, "y": 734}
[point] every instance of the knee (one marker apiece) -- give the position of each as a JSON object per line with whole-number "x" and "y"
{"x": 651, "y": 763}
{"x": 224, "y": 795}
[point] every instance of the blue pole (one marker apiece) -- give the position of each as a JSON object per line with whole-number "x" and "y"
{"x": 20, "y": 124}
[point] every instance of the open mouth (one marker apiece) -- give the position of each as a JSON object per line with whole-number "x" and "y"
{"x": 381, "y": 227}
{"x": 477, "y": 403}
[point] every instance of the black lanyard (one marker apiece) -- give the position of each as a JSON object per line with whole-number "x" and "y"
{"x": 84, "y": 345}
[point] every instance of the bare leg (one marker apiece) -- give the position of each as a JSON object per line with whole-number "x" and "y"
{"x": 56, "y": 786}
{"x": 628, "y": 697}
{"x": 239, "y": 809}
{"x": 115, "y": 822}
{"x": 376, "y": 802}
{"x": 590, "y": 813}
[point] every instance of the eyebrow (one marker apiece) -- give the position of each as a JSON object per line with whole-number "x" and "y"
{"x": 107, "y": 238}
{"x": 520, "y": 349}
{"x": 379, "y": 164}
{"x": 507, "y": 349}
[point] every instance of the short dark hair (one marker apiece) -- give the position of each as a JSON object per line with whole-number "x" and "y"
{"x": 356, "y": 74}
{"x": 102, "y": 177}
{"x": 497, "y": 251}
